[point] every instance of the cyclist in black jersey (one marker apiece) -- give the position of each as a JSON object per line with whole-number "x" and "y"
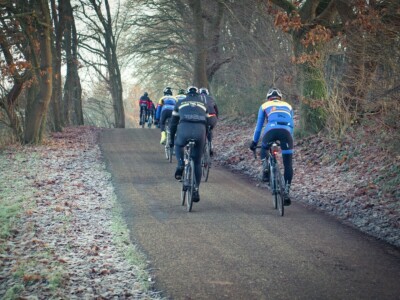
{"x": 189, "y": 120}
{"x": 212, "y": 113}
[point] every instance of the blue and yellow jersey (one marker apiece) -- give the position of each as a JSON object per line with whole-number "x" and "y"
{"x": 165, "y": 102}
{"x": 278, "y": 113}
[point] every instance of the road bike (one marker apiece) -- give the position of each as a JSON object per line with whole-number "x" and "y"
{"x": 149, "y": 121}
{"x": 206, "y": 160}
{"x": 168, "y": 150}
{"x": 188, "y": 178}
{"x": 276, "y": 180}
{"x": 143, "y": 117}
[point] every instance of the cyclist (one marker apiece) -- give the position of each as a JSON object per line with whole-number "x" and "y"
{"x": 151, "y": 110}
{"x": 143, "y": 104}
{"x": 212, "y": 112}
{"x": 188, "y": 121}
{"x": 164, "y": 111}
{"x": 181, "y": 95}
{"x": 279, "y": 117}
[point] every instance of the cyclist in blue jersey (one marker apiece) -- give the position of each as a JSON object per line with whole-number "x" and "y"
{"x": 165, "y": 107}
{"x": 279, "y": 117}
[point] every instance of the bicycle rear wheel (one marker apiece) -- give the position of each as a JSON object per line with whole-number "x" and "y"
{"x": 170, "y": 153}
{"x": 191, "y": 181}
{"x": 167, "y": 152}
{"x": 143, "y": 119}
{"x": 184, "y": 190}
{"x": 273, "y": 186}
{"x": 206, "y": 162}
{"x": 279, "y": 193}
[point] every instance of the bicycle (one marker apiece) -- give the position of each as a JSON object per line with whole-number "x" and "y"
{"x": 149, "y": 121}
{"x": 276, "y": 181}
{"x": 143, "y": 117}
{"x": 206, "y": 160}
{"x": 168, "y": 150}
{"x": 188, "y": 178}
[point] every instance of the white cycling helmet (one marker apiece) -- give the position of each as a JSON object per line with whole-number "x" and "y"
{"x": 274, "y": 92}
{"x": 192, "y": 90}
{"x": 204, "y": 91}
{"x": 168, "y": 91}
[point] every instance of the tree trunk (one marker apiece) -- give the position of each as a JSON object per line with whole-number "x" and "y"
{"x": 313, "y": 88}
{"x": 58, "y": 21}
{"x": 110, "y": 49}
{"x": 9, "y": 107}
{"x": 73, "y": 111}
{"x": 199, "y": 74}
{"x": 39, "y": 94}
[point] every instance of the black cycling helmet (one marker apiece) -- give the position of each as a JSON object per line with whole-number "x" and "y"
{"x": 192, "y": 90}
{"x": 274, "y": 93}
{"x": 181, "y": 92}
{"x": 204, "y": 90}
{"x": 145, "y": 94}
{"x": 168, "y": 91}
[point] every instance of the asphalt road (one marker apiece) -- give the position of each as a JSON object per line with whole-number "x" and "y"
{"x": 233, "y": 245}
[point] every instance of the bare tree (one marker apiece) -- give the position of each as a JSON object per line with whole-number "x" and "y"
{"x": 30, "y": 23}
{"x": 73, "y": 111}
{"x": 101, "y": 42}
{"x": 178, "y": 39}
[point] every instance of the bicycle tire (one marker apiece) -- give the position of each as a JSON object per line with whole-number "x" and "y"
{"x": 184, "y": 190}
{"x": 183, "y": 194}
{"x": 143, "y": 118}
{"x": 279, "y": 194}
{"x": 272, "y": 184}
{"x": 205, "y": 163}
{"x": 170, "y": 154}
{"x": 189, "y": 202}
{"x": 166, "y": 150}
{"x": 208, "y": 162}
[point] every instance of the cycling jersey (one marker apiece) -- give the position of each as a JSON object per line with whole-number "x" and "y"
{"x": 279, "y": 115}
{"x": 189, "y": 119}
{"x": 144, "y": 101}
{"x": 166, "y": 102}
{"x": 211, "y": 105}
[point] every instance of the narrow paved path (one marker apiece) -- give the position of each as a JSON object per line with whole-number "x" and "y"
{"x": 234, "y": 245}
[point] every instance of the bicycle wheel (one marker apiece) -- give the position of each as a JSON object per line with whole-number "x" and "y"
{"x": 206, "y": 162}
{"x": 279, "y": 193}
{"x": 190, "y": 188}
{"x": 273, "y": 186}
{"x": 167, "y": 152}
{"x": 143, "y": 118}
{"x": 184, "y": 187}
{"x": 170, "y": 154}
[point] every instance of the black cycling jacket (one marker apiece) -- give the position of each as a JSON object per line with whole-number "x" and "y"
{"x": 191, "y": 109}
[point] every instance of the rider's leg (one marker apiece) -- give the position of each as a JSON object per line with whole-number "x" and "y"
{"x": 268, "y": 137}
{"x": 140, "y": 115}
{"x": 287, "y": 156}
{"x": 165, "y": 114}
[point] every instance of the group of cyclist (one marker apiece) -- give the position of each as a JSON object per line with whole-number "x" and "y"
{"x": 193, "y": 114}
{"x": 146, "y": 106}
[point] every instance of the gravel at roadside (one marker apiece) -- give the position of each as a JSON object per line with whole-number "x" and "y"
{"x": 67, "y": 242}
